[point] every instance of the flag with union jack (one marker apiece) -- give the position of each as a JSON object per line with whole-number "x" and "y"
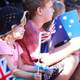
{"x": 5, "y": 71}
{"x": 67, "y": 26}
{"x": 44, "y": 42}
{"x": 60, "y": 36}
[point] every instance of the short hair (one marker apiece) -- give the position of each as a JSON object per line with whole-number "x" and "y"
{"x": 71, "y": 4}
{"x": 58, "y": 6}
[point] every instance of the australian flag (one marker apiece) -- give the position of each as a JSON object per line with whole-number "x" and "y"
{"x": 71, "y": 23}
{"x": 5, "y": 71}
{"x": 67, "y": 26}
{"x": 60, "y": 36}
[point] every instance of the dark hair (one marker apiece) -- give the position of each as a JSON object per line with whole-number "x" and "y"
{"x": 47, "y": 25}
{"x": 16, "y": 3}
{"x": 9, "y": 16}
{"x": 32, "y": 5}
{"x": 71, "y": 4}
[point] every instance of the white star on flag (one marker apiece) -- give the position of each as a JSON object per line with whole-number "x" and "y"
{"x": 71, "y": 23}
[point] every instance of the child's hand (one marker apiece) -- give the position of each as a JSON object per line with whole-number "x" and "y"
{"x": 46, "y": 59}
{"x": 37, "y": 76}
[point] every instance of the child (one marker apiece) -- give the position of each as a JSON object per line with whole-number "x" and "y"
{"x": 40, "y": 12}
{"x": 12, "y": 22}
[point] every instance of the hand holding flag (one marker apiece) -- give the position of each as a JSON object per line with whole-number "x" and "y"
{"x": 5, "y": 71}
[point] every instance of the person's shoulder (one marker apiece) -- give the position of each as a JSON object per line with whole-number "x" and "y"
{"x": 2, "y": 43}
{"x": 4, "y": 48}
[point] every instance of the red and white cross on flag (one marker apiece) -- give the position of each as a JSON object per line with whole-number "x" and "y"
{"x": 52, "y": 29}
{"x": 45, "y": 36}
{"x": 5, "y": 72}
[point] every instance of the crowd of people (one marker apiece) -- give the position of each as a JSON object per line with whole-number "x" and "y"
{"x": 21, "y": 23}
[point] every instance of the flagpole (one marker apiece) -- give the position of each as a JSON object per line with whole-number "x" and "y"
{"x": 39, "y": 45}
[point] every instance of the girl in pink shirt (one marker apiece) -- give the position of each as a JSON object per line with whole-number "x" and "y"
{"x": 12, "y": 22}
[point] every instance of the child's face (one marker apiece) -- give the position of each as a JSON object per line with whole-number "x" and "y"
{"x": 48, "y": 11}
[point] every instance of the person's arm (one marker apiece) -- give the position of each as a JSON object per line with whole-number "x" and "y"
{"x": 29, "y": 68}
{"x": 23, "y": 74}
{"x": 17, "y": 71}
{"x": 62, "y": 52}
{"x": 28, "y": 75}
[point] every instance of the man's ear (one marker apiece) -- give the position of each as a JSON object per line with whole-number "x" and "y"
{"x": 39, "y": 11}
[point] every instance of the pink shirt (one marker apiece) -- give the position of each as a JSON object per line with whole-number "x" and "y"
{"x": 6, "y": 49}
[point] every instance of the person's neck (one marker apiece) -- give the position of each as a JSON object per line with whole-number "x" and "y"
{"x": 37, "y": 22}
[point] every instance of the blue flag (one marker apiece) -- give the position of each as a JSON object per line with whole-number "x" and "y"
{"x": 60, "y": 36}
{"x": 44, "y": 47}
{"x": 67, "y": 26}
{"x": 71, "y": 23}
